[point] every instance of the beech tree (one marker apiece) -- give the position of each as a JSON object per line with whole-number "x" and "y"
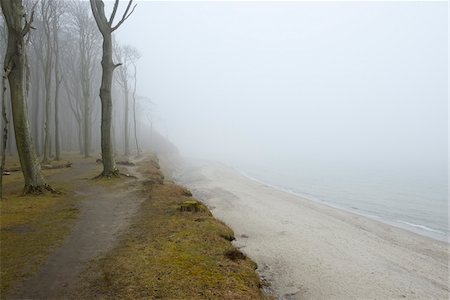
{"x": 138, "y": 149}
{"x": 18, "y": 24}
{"x": 45, "y": 9}
{"x": 57, "y": 13}
{"x": 106, "y": 28}
{"x": 127, "y": 56}
{"x": 89, "y": 43}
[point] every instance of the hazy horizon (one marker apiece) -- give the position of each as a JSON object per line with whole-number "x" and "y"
{"x": 326, "y": 83}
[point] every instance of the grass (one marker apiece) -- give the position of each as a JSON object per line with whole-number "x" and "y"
{"x": 171, "y": 254}
{"x": 31, "y": 226}
{"x": 166, "y": 253}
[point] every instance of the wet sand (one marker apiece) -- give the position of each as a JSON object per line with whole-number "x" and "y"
{"x": 307, "y": 250}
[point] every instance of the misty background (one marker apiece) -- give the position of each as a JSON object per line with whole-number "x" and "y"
{"x": 335, "y": 100}
{"x": 334, "y": 82}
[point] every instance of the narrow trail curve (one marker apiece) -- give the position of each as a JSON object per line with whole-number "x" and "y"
{"x": 104, "y": 214}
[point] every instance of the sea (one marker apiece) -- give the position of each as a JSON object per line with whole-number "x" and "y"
{"x": 415, "y": 199}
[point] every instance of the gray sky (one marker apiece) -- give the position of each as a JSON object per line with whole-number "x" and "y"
{"x": 329, "y": 82}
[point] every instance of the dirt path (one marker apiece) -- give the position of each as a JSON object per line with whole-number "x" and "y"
{"x": 105, "y": 211}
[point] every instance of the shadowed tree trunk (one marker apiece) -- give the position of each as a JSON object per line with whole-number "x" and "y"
{"x": 14, "y": 65}
{"x": 126, "y": 129}
{"x": 37, "y": 107}
{"x": 106, "y": 28}
{"x": 45, "y": 12}
{"x": 89, "y": 44}
{"x": 127, "y": 56}
{"x": 58, "y": 79}
{"x": 138, "y": 150}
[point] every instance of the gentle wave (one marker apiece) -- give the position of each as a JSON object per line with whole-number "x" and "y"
{"x": 438, "y": 234}
{"x": 421, "y": 227}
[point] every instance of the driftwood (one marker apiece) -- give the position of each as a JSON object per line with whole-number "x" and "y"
{"x": 125, "y": 163}
{"x": 43, "y": 167}
{"x": 51, "y": 167}
{"x": 122, "y": 162}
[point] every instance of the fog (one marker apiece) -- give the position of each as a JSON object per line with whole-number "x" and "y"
{"x": 323, "y": 83}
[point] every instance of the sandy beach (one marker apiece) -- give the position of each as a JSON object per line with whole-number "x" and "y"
{"x": 307, "y": 250}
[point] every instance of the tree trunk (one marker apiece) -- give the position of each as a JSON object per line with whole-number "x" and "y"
{"x": 86, "y": 91}
{"x": 134, "y": 114}
{"x": 80, "y": 138}
{"x": 87, "y": 114}
{"x": 57, "y": 136}
{"x": 57, "y": 86}
{"x": 109, "y": 166}
{"x": 5, "y": 125}
{"x": 87, "y": 128}
{"x": 37, "y": 108}
{"x": 106, "y": 28}
{"x": 15, "y": 64}
{"x": 47, "y": 88}
{"x": 127, "y": 113}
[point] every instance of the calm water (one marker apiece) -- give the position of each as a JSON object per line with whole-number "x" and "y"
{"x": 414, "y": 199}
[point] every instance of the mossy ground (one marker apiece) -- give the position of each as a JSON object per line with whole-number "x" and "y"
{"x": 171, "y": 254}
{"x": 32, "y": 226}
{"x": 165, "y": 253}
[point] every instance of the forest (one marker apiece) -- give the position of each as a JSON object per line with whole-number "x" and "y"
{"x": 83, "y": 194}
{"x": 61, "y": 67}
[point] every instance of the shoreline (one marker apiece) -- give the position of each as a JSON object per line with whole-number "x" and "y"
{"x": 419, "y": 229}
{"x": 308, "y": 250}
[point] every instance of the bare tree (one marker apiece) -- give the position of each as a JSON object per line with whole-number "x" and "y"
{"x": 57, "y": 10}
{"x": 106, "y": 28}
{"x": 138, "y": 150}
{"x": 45, "y": 8}
{"x": 89, "y": 42}
{"x": 128, "y": 56}
{"x": 5, "y": 121}
{"x": 14, "y": 67}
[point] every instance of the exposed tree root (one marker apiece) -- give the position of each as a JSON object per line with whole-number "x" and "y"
{"x": 109, "y": 175}
{"x": 39, "y": 190}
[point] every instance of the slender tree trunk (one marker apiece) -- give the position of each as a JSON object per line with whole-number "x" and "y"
{"x": 57, "y": 86}
{"x": 15, "y": 64}
{"x": 5, "y": 125}
{"x": 126, "y": 118}
{"x": 9, "y": 145}
{"x": 57, "y": 136}
{"x": 47, "y": 88}
{"x": 47, "y": 80}
{"x": 138, "y": 150}
{"x": 37, "y": 108}
{"x": 87, "y": 117}
{"x": 80, "y": 138}
{"x": 86, "y": 91}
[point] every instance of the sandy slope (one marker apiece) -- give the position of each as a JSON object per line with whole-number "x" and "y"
{"x": 311, "y": 251}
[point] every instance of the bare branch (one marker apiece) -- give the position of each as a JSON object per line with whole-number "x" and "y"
{"x": 116, "y": 5}
{"x": 125, "y": 16}
{"x": 28, "y": 23}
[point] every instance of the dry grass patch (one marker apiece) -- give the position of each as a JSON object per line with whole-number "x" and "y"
{"x": 171, "y": 254}
{"x": 30, "y": 227}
